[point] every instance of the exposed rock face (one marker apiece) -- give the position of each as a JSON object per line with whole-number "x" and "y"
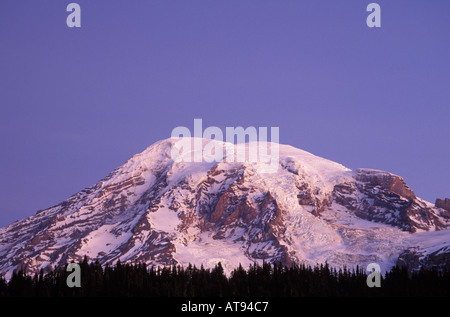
{"x": 383, "y": 197}
{"x": 414, "y": 259}
{"x": 373, "y": 179}
{"x": 155, "y": 210}
{"x": 443, "y": 203}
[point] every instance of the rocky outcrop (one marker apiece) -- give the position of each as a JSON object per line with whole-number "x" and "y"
{"x": 443, "y": 203}
{"x": 383, "y": 197}
{"x": 414, "y": 259}
{"x": 374, "y": 179}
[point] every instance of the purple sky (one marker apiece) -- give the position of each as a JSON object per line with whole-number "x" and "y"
{"x": 77, "y": 103}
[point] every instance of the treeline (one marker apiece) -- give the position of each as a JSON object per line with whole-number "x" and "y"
{"x": 268, "y": 280}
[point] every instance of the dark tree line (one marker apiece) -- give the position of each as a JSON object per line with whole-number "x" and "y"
{"x": 268, "y": 280}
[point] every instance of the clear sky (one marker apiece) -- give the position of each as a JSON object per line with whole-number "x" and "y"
{"x": 77, "y": 103}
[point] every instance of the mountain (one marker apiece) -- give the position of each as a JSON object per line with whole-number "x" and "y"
{"x": 160, "y": 211}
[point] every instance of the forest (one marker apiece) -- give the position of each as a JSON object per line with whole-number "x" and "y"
{"x": 266, "y": 280}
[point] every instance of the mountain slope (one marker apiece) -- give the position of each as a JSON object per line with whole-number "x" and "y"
{"x": 162, "y": 212}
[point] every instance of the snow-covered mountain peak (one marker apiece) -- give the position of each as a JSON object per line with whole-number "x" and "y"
{"x": 161, "y": 210}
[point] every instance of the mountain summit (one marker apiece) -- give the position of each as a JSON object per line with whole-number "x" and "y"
{"x": 155, "y": 210}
